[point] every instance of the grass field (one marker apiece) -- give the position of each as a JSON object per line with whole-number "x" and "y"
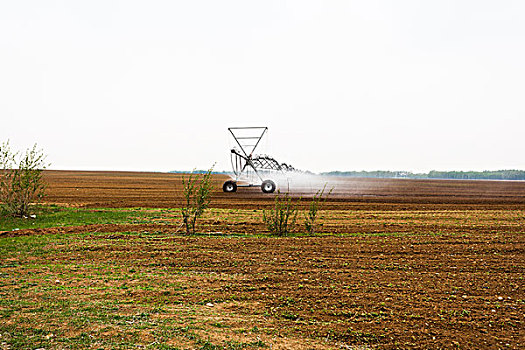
{"x": 386, "y": 274}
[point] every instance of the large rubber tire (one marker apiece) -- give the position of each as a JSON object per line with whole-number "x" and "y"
{"x": 268, "y": 186}
{"x": 229, "y": 186}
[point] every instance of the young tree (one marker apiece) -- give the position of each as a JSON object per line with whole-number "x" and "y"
{"x": 197, "y": 193}
{"x": 311, "y": 216}
{"x": 21, "y": 182}
{"x": 282, "y": 217}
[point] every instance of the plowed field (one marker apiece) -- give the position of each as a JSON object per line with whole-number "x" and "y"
{"x": 162, "y": 190}
{"x": 396, "y": 264}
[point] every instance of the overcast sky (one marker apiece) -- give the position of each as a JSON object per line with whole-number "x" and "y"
{"x": 342, "y": 85}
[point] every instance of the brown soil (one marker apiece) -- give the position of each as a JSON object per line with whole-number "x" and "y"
{"x": 163, "y": 190}
{"x": 407, "y": 264}
{"x": 424, "y": 290}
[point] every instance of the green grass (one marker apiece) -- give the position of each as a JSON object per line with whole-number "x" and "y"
{"x": 80, "y": 291}
{"x": 55, "y": 216}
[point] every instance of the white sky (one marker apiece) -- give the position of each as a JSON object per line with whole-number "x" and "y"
{"x": 349, "y": 85}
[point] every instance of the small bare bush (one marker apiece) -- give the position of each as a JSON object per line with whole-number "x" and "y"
{"x": 21, "y": 182}
{"x": 197, "y": 195}
{"x": 310, "y": 217}
{"x": 282, "y": 217}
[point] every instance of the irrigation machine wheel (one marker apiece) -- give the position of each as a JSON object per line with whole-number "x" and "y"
{"x": 268, "y": 186}
{"x": 229, "y": 186}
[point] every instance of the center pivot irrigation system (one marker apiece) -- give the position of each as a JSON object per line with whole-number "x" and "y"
{"x": 252, "y": 170}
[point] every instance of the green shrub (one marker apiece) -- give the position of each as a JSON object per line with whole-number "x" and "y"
{"x": 311, "y": 215}
{"x": 21, "y": 182}
{"x": 282, "y": 217}
{"x": 197, "y": 194}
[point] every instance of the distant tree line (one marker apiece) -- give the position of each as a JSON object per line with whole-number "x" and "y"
{"x": 434, "y": 174}
{"x": 200, "y": 172}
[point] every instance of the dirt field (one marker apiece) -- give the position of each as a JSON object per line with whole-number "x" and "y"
{"x": 396, "y": 264}
{"x": 161, "y": 190}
